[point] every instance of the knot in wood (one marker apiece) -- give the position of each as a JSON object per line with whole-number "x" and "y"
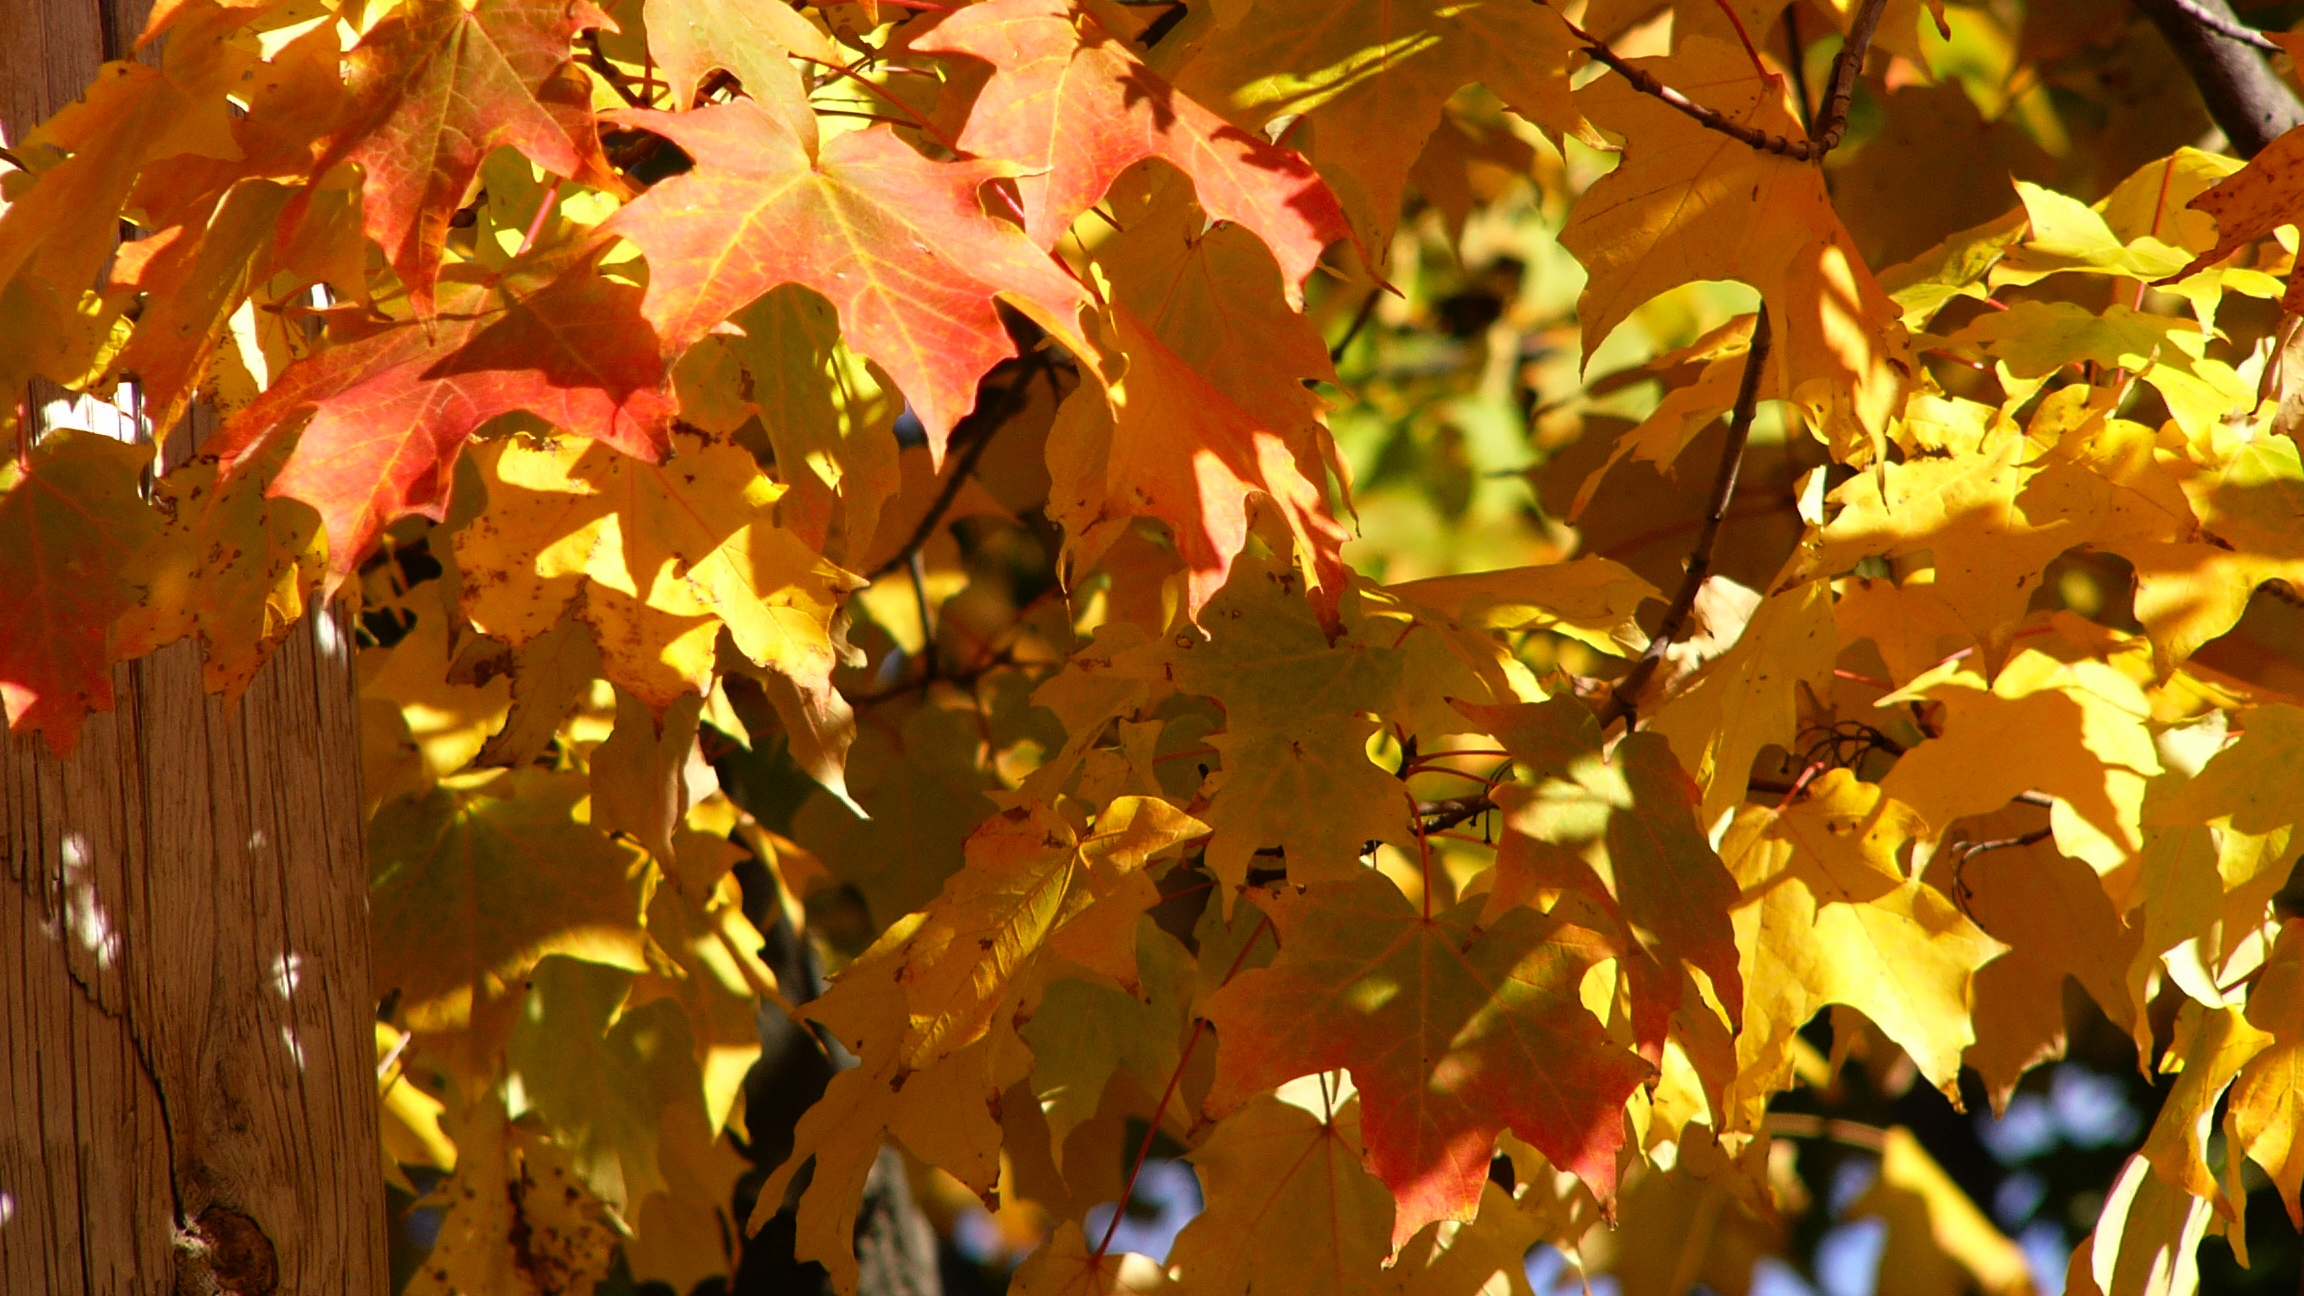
{"x": 225, "y": 1253}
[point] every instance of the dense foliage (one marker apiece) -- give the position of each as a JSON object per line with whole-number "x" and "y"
{"x": 1441, "y": 610}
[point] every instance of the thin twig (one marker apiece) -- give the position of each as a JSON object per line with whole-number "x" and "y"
{"x": 1360, "y": 320}
{"x": 1199, "y": 1028}
{"x": 1011, "y": 402}
{"x": 597, "y": 59}
{"x": 1872, "y": 1138}
{"x": 1623, "y": 700}
{"x": 1435, "y": 816}
{"x": 1833, "y": 119}
{"x": 1973, "y": 849}
{"x": 1709, "y": 118}
{"x": 1846, "y": 67}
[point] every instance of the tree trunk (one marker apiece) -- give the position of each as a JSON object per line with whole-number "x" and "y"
{"x": 187, "y": 1048}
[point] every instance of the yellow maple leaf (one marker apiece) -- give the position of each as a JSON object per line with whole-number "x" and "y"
{"x": 1308, "y": 790}
{"x": 1750, "y": 696}
{"x": 2146, "y": 1241}
{"x": 2077, "y": 731}
{"x": 2267, "y": 1111}
{"x": 472, "y": 886}
{"x": 1829, "y": 918}
{"x": 2210, "y": 1048}
{"x": 1689, "y": 204}
{"x": 518, "y": 1220}
{"x": 1033, "y": 886}
{"x": 660, "y": 559}
{"x": 1283, "y": 1186}
{"x": 1373, "y": 75}
{"x": 1939, "y": 1244}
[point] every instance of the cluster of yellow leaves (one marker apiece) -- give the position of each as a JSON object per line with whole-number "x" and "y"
{"x": 1170, "y": 818}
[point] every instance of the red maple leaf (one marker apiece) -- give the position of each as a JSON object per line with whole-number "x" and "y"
{"x": 898, "y": 243}
{"x": 1452, "y": 1033}
{"x": 390, "y": 409}
{"x": 1071, "y": 106}
{"x": 438, "y": 85}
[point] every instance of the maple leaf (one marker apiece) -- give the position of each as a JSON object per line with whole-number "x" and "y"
{"x": 1084, "y": 1033}
{"x": 2075, "y": 731}
{"x": 1064, "y": 1266}
{"x": 1281, "y": 1185}
{"x": 692, "y": 38}
{"x": 1160, "y": 441}
{"x": 1590, "y": 600}
{"x": 942, "y": 1112}
{"x": 922, "y": 785}
{"x": 1829, "y": 918}
{"x": 823, "y": 407}
{"x": 1620, "y": 827}
{"x": 228, "y": 565}
{"x": 1937, "y": 1240}
{"x": 1270, "y": 775}
{"x": 1686, "y": 410}
{"x": 437, "y": 85}
{"x": 1267, "y": 660}
{"x": 1453, "y": 1033}
{"x": 2210, "y": 1047}
{"x": 1689, "y": 203}
{"x": 658, "y": 558}
{"x": 2146, "y": 1239}
{"x": 71, "y": 524}
{"x": 1072, "y": 108}
{"x": 899, "y": 244}
{"x": 2243, "y": 785}
{"x": 56, "y": 235}
{"x": 2253, "y": 201}
{"x": 599, "y": 1071}
{"x": 518, "y": 1220}
{"x": 1373, "y": 76}
{"x": 473, "y": 887}
{"x": 1032, "y": 885}
{"x": 2267, "y": 1110}
{"x": 1216, "y": 297}
{"x": 2052, "y": 912}
{"x": 213, "y": 225}
{"x": 1750, "y": 696}
{"x": 390, "y": 408}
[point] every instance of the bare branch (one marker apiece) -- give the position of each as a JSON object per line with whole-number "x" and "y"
{"x": 981, "y": 425}
{"x": 1624, "y": 699}
{"x": 1833, "y": 120}
{"x": 2249, "y": 101}
{"x": 1439, "y": 815}
{"x": 1709, "y": 118}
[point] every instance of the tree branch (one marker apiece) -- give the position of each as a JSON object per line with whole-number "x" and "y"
{"x": 1441, "y": 815}
{"x": 1623, "y": 700}
{"x": 2249, "y": 102}
{"x": 990, "y": 417}
{"x": 1839, "y": 90}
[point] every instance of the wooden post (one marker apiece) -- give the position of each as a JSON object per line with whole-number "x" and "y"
{"x": 187, "y": 1047}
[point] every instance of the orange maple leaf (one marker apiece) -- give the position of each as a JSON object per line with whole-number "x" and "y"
{"x": 898, "y": 243}
{"x": 1162, "y": 442}
{"x": 1071, "y": 106}
{"x": 391, "y": 408}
